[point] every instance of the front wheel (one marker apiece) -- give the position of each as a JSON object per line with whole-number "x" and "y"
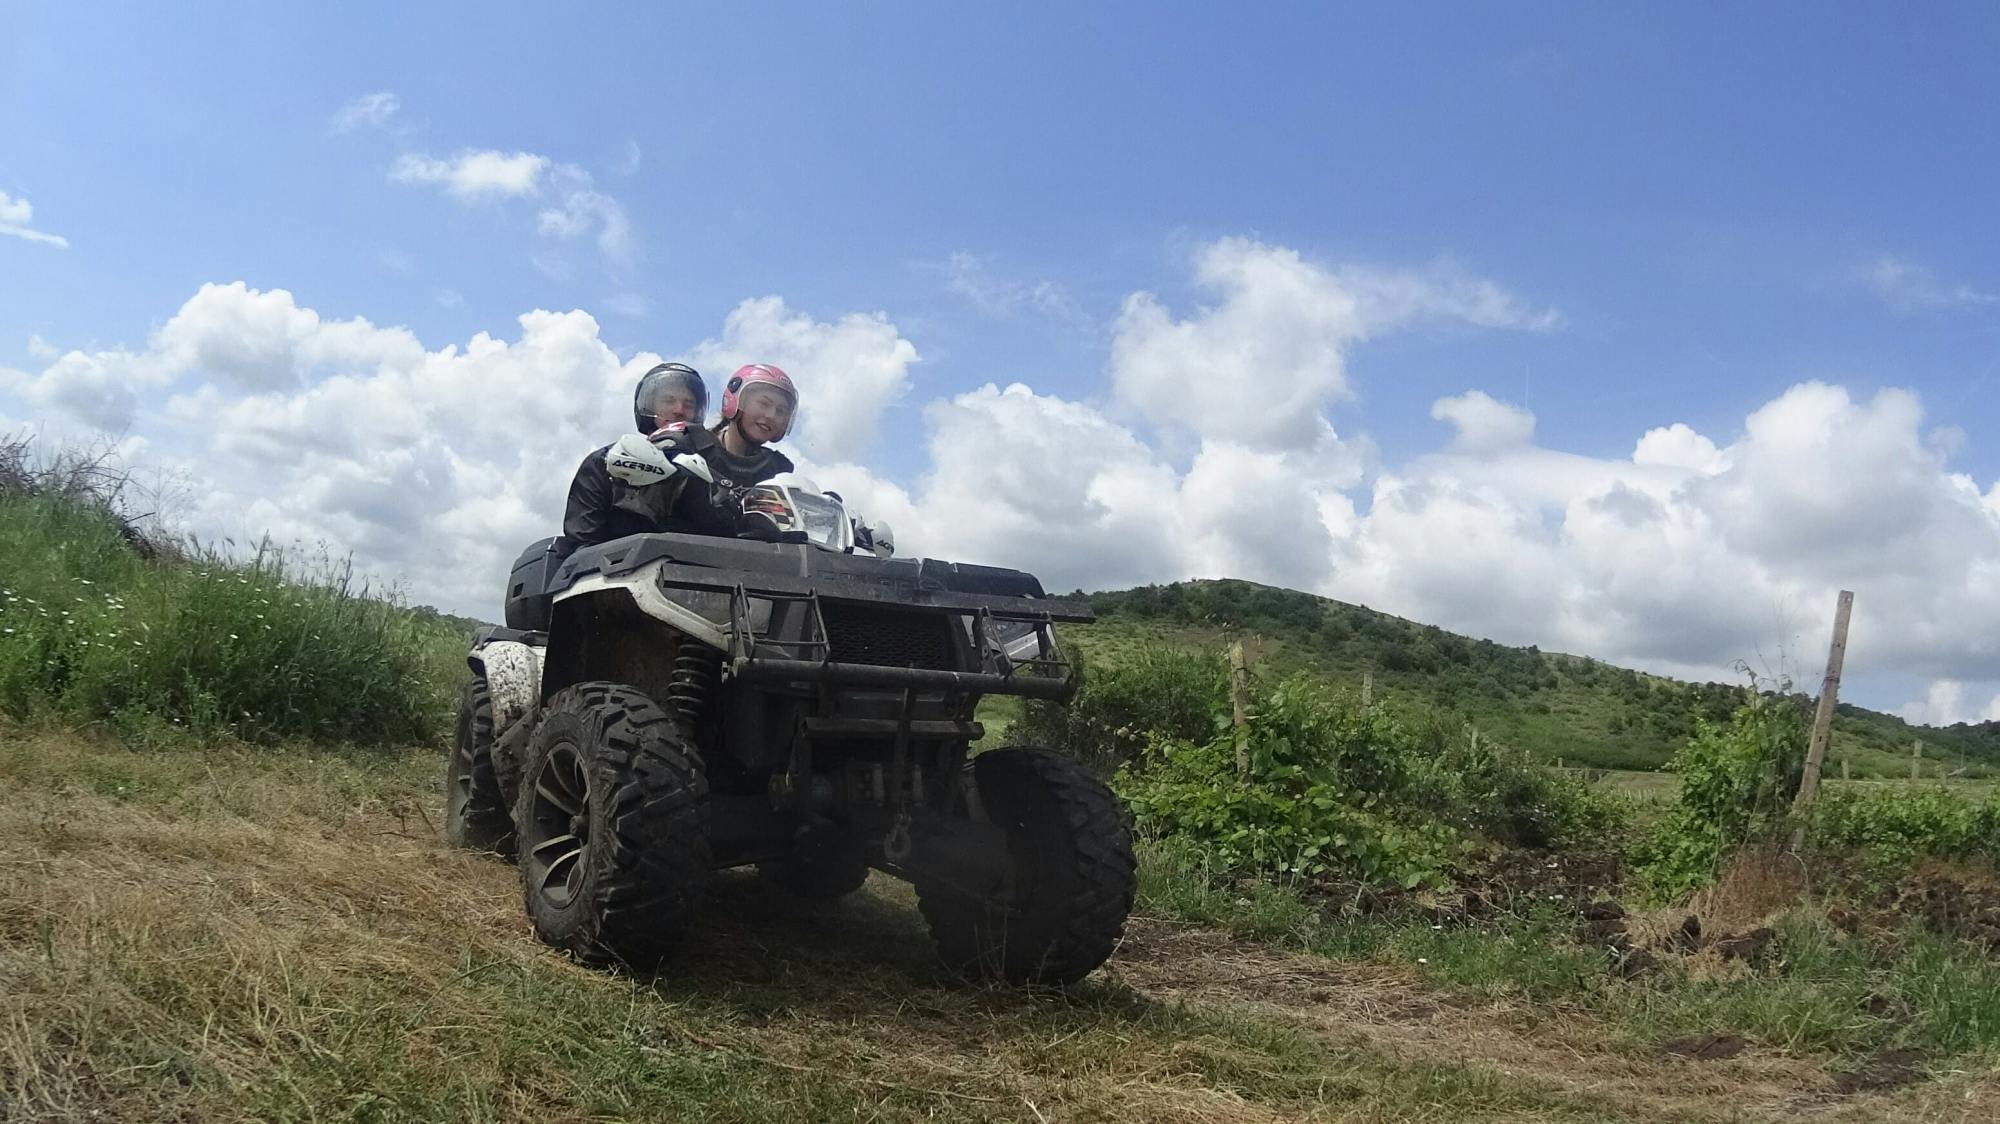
{"x": 475, "y": 813}
{"x": 1071, "y": 881}
{"x": 614, "y": 821}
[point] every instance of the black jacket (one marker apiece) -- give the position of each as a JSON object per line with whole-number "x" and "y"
{"x": 602, "y": 508}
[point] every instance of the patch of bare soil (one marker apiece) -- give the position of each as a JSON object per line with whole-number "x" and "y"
{"x": 1718, "y": 1077}
{"x": 1505, "y": 881}
{"x": 1948, "y": 901}
{"x": 1707, "y": 1047}
{"x": 1885, "y": 1070}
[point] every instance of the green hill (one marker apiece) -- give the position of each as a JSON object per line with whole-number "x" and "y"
{"x": 1573, "y": 708}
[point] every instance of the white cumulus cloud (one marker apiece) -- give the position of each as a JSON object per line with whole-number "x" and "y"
{"x": 369, "y": 111}
{"x": 338, "y": 431}
{"x": 1945, "y": 704}
{"x": 577, "y": 210}
{"x": 16, "y": 220}
{"x": 1025, "y": 479}
{"x": 1279, "y": 333}
{"x": 470, "y": 175}
{"x": 1690, "y": 556}
{"x": 1485, "y": 424}
{"x": 1677, "y": 446}
{"x": 569, "y": 207}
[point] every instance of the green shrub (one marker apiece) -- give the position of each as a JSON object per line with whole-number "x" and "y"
{"x": 1897, "y": 825}
{"x": 1497, "y": 791}
{"x": 1334, "y": 788}
{"x": 1737, "y": 783}
{"x": 1319, "y": 798}
{"x": 1167, "y": 691}
{"x": 257, "y": 649}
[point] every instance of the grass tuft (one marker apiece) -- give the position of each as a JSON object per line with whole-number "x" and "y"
{"x": 172, "y": 647}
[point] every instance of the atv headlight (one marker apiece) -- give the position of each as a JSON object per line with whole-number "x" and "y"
{"x": 789, "y": 511}
{"x": 824, "y": 520}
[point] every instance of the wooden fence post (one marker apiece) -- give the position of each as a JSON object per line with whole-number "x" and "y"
{"x": 1844, "y": 774}
{"x": 1239, "y": 694}
{"x": 1367, "y": 689}
{"x": 1917, "y": 760}
{"x": 1822, "y": 728}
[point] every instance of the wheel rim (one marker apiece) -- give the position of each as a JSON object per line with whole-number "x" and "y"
{"x": 559, "y": 826}
{"x": 461, "y": 786}
{"x": 459, "y": 793}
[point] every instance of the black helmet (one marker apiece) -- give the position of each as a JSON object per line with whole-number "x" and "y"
{"x": 678, "y": 376}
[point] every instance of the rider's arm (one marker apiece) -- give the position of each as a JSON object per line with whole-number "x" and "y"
{"x": 587, "y": 518}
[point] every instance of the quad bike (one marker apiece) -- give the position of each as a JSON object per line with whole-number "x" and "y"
{"x": 667, "y": 705}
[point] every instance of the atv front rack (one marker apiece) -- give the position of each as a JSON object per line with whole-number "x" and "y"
{"x": 1025, "y": 661}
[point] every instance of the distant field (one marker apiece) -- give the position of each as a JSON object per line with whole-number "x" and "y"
{"x": 1635, "y": 783}
{"x": 1662, "y": 786}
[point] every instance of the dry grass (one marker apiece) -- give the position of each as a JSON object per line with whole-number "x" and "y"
{"x": 253, "y": 935}
{"x": 1756, "y": 887}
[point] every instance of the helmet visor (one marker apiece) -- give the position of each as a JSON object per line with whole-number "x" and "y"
{"x": 668, "y": 395}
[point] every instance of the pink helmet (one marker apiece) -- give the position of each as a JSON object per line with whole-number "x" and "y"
{"x": 755, "y": 374}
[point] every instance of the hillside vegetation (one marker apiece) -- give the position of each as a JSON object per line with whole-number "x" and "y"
{"x": 165, "y": 638}
{"x": 1575, "y": 709}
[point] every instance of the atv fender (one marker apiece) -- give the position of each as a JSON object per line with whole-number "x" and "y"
{"x": 642, "y": 585}
{"x": 513, "y": 674}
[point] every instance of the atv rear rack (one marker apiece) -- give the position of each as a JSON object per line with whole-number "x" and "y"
{"x": 1005, "y": 667}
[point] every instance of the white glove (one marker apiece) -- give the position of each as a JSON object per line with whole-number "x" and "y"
{"x": 637, "y": 461}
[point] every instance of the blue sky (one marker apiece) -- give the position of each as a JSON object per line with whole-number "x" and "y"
{"x": 1693, "y": 210}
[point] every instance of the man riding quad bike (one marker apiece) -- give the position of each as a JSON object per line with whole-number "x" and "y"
{"x": 665, "y": 705}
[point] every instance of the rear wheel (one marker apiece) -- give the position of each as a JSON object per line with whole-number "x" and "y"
{"x": 475, "y": 814}
{"x": 614, "y": 819}
{"x": 1064, "y": 905}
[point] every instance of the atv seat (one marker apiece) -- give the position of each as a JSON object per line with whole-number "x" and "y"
{"x": 529, "y": 599}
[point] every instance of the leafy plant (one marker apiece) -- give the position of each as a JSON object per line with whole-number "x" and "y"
{"x": 1320, "y": 796}
{"x": 1167, "y": 691}
{"x": 1737, "y": 784}
{"x": 1901, "y": 824}
{"x": 1496, "y": 790}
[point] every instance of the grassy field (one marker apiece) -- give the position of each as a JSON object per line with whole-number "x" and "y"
{"x": 259, "y": 934}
